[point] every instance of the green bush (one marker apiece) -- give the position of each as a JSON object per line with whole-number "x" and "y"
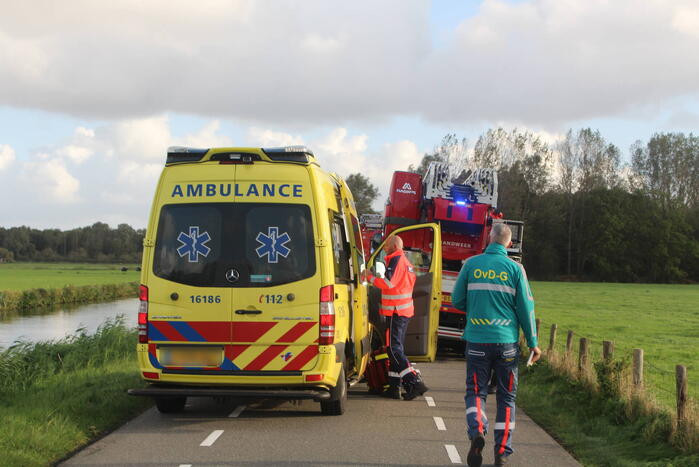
{"x": 58, "y": 396}
{"x": 25, "y": 363}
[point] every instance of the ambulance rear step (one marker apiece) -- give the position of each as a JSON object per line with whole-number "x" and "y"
{"x": 316, "y": 395}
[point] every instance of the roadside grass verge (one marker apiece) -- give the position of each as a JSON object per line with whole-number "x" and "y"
{"x": 57, "y": 396}
{"x": 597, "y": 428}
{"x": 26, "y": 300}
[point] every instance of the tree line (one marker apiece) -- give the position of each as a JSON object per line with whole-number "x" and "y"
{"x": 587, "y": 215}
{"x": 96, "y": 243}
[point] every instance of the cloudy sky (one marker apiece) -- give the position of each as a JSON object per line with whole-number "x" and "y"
{"x": 92, "y": 93}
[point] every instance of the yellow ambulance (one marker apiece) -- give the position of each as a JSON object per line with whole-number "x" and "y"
{"x": 250, "y": 282}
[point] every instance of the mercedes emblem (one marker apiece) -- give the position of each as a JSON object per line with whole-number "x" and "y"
{"x": 232, "y": 275}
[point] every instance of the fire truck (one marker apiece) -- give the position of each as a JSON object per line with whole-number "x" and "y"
{"x": 466, "y": 211}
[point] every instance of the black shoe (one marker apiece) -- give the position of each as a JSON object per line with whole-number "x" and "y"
{"x": 492, "y": 389}
{"x": 501, "y": 460}
{"x": 475, "y": 454}
{"x": 393, "y": 393}
{"x": 416, "y": 389}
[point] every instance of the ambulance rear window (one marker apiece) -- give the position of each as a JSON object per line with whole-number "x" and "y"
{"x": 234, "y": 245}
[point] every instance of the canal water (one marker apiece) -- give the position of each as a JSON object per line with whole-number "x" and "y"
{"x": 58, "y": 323}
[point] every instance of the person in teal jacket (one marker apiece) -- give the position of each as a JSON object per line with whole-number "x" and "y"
{"x": 494, "y": 292}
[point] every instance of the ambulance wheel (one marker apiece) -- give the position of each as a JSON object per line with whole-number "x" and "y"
{"x": 338, "y": 396}
{"x": 170, "y": 404}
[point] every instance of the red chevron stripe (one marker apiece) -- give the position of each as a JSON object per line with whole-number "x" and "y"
{"x": 213, "y": 331}
{"x": 168, "y": 331}
{"x": 302, "y": 359}
{"x": 235, "y": 351}
{"x": 152, "y": 350}
{"x": 297, "y": 331}
{"x": 251, "y": 332}
{"x": 265, "y": 357}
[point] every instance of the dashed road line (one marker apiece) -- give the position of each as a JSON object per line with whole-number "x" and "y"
{"x": 238, "y": 410}
{"x": 185, "y": 465}
{"x": 430, "y": 401}
{"x": 453, "y": 454}
{"x": 439, "y": 421}
{"x": 211, "y": 439}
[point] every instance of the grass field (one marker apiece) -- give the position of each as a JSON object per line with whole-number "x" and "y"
{"x": 663, "y": 320}
{"x": 24, "y": 276}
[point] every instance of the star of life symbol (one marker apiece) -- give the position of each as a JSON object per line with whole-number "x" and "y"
{"x": 193, "y": 244}
{"x": 273, "y": 244}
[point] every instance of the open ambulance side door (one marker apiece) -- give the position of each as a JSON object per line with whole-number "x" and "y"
{"x": 422, "y": 245}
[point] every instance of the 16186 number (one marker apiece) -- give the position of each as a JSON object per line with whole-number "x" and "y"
{"x": 205, "y": 298}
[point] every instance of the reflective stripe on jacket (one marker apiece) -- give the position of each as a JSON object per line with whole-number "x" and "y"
{"x": 494, "y": 292}
{"x": 397, "y": 286}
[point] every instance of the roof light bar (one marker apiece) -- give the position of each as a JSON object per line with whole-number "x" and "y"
{"x": 184, "y": 154}
{"x": 289, "y": 154}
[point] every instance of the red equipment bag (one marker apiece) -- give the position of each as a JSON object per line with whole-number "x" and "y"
{"x": 377, "y": 371}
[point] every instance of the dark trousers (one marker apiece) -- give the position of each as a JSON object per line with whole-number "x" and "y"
{"x": 399, "y": 368}
{"x": 480, "y": 360}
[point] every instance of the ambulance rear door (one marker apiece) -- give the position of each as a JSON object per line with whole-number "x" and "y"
{"x": 274, "y": 274}
{"x": 189, "y": 325}
{"x": 422, "y": 247}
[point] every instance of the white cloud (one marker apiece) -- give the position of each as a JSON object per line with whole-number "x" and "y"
{"x": 78, "y": 154}
{"x": 281, "y": 62}
{"x": 7, "y": 156}
{"x": 345, "y": 153}
{"x": 50, "y": 179}
{"x": 207, "y": 137}
{"x": 142, "y": 138}
{"x": 686, "y": 19}
{"x": 259, "y": 137}
{"x": 320, "y": 44}
{"x": 118, "y": 179}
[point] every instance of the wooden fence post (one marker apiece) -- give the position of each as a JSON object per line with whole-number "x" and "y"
{"x": 582, "y": 357}
{"x": 569, "y": 342}
{"x": 607, "y": 350}
{"x": 681, "y": 374}
{"x": 552, "y": 339}
{"x": 638, "y": 368}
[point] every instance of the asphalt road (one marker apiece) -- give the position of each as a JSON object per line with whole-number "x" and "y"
{"x": 374, "y": 431}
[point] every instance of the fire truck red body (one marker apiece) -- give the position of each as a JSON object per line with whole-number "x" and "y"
{"x": 465, "y": 211}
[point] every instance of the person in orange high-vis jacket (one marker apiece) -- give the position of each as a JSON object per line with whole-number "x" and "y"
{"x": 397, "y": 306}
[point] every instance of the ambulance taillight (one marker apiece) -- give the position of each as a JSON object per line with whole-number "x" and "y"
{"x": 143, "y": 315}
{"x": 327, "y": 315}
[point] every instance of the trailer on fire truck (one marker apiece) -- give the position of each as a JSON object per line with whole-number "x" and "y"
{"x": 465, "y": 211}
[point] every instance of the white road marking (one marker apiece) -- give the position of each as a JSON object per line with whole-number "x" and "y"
{"x": 440, "y": 423}
{"x": 430, "y": 401}
{"x": 238, "y": 410}
{"x": 211, "y": 439}
{"x": 453, "y": 454}
{"x": 185, "y": 465}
